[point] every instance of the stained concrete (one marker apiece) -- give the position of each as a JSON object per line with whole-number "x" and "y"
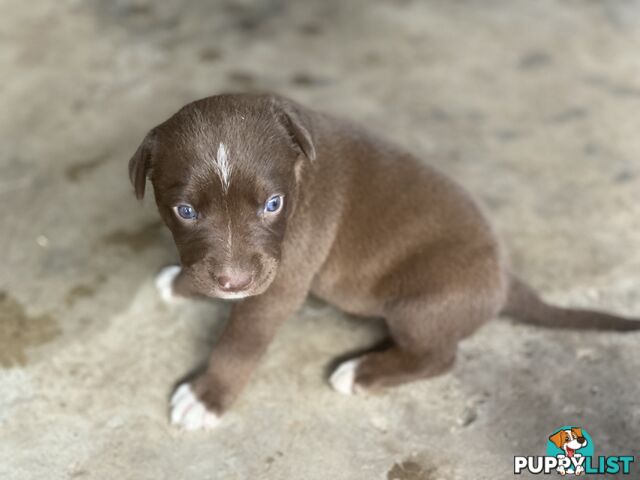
{"x": 532, "y": 105}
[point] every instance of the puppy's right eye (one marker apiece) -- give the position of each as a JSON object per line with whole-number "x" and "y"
{"x": 186, "y": 212}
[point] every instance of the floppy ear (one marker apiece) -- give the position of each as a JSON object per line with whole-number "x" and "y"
{"x": 297, "y": 124}
{"x": 577, "y": 431}
{"x": 140, "y": 164}
{"x": 556, "y": 438}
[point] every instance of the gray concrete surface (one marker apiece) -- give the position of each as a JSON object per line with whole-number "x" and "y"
{"x": 532, "y": 105}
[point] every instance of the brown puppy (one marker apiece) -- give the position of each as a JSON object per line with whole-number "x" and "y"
{"x": 268, "y": 201}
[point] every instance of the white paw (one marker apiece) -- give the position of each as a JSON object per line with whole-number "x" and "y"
{"x": 190, "y": 413}
{"x": 164, "y": 283}
{"x": 343, "y": 377}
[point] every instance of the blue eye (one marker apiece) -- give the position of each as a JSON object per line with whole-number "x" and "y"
{"x": 186, "y": 211}
{"x": 274, "y": 204}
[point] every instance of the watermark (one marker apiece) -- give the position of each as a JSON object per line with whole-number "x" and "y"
{"x": 570, "y": 451}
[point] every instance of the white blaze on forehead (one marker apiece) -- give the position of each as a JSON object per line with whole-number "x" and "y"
{"x": 229, "y": 240}
{"x": 222, "y": 167}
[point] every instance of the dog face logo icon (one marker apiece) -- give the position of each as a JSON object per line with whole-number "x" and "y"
{"x": 569, "y": 440}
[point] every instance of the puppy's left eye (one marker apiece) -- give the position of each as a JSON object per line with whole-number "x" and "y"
{"x": 274, "y": 204}
{"x": 187, "y": 212}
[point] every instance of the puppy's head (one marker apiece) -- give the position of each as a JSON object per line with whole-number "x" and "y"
{"x": 572, "y": 438}
{"x": 225, "y": 172}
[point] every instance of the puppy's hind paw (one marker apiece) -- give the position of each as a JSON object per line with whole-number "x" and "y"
{"x": 164, "y": 283}
{"x": 190, "y": 413}
{"x": 343, "y": 378}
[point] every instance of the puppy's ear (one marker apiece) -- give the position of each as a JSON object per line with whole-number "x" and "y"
{"x": 140, "y": 164}
{"x": 297, "y": 124}
{"x": 577, "y": 432}
{"x": 556, "y": 438}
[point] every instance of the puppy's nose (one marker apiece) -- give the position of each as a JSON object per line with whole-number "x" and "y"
{"x": 233, "y": 282}
{"x": 580, "y": 439}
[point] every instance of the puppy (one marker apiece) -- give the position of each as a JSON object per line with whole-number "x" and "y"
{"x": 268, "y": 201}
{"x": 569, "y": 440}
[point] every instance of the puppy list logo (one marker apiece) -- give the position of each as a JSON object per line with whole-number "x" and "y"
{"x": 570, "y": 452}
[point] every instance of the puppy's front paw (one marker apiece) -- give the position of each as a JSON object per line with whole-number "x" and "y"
{"x": 190, "y": 413}
{"x": 164, "y": 283}
{"x": 343, "y": 378}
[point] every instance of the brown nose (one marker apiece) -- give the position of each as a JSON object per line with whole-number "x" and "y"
{"x": 234, "y": 282}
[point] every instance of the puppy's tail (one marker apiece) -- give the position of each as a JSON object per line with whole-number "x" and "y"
{"x": 525, "y": 305}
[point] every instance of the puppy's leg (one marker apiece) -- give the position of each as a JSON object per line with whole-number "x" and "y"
{"x": 425, "y": 327}
{"x": 251, "y": 327}
{"x": 389, "y": 368}
{"x": 407, "y": 359}
{"x": 172, "y": 285}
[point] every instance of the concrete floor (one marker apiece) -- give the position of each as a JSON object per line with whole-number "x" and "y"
{"x": 533, "y": 105}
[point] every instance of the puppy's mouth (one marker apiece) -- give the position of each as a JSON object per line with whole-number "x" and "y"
{"x": 233, "y": 295}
